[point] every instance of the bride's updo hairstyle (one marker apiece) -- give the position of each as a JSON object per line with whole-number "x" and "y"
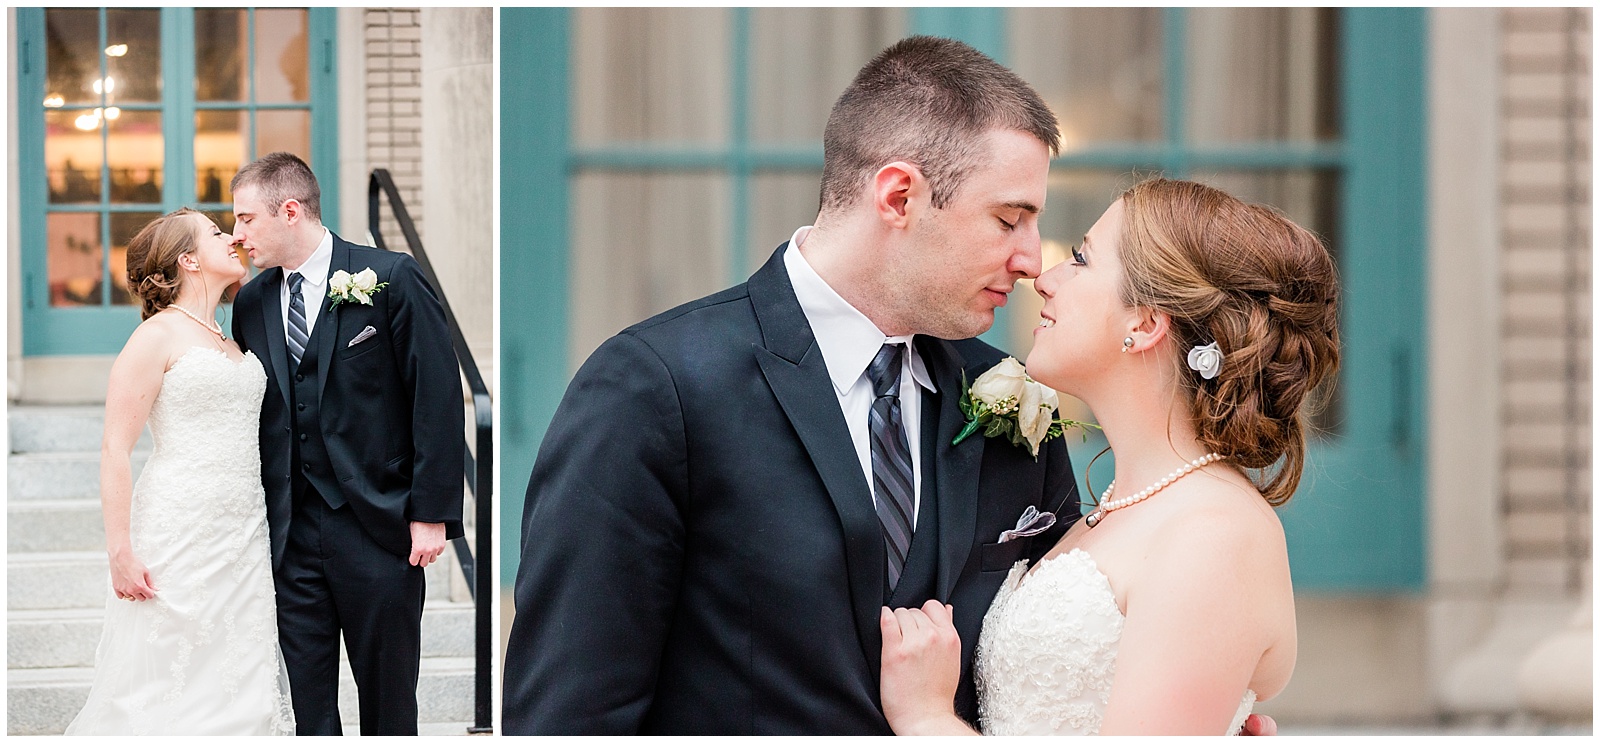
{"x": 153, "y": 274}
{"x": 1264, "y": 289}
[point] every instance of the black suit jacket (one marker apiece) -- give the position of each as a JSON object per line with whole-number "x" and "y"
{"x": 700, "y": 552}
{"x": 391, "y": 406}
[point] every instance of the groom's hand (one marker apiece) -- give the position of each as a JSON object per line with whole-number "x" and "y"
{"x": 427, "y": 543}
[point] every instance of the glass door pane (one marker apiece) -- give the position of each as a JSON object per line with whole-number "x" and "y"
{"x": 75, "y": 258}
{"x": 1262, "y": 74}
{"x": 1099, "y": 70}
{"x": 657, "y": 75}
{"x": 103, "y": 143}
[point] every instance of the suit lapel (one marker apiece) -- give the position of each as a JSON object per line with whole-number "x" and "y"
{"x": 955, "y": 468}
{"x": 328, "y": 325}
{"x": 272, "y": 321}
{"x": 793, "y": 366}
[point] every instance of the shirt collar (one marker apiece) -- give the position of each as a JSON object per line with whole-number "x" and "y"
{"x": 848, "y": 340}
{"x": 315, "y": 269}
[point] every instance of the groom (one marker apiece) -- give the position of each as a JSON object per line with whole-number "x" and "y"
{"x": 731, "y": 490}
{"x": 361, "y": 445}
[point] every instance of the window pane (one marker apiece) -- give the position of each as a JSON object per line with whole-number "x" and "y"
{"x": 780, "y": 203}
{"x": 1262, "y": 74}
{"x": 667, "y": 247}
{"x": 284, "y": 131}
{"x": 72, "y": 49}
{"x": 1099, "y": 70}
{"x": 803, "y": 58}
{"x": 124, "y": 225}
{"x": 649, "y": 75}
{"x": 136, "y": 153}
{"x": 221, "y": 146}
{"x": 224, "y": 219}
{"x": 72, "y": 156}
{"x": 221, "y": 42}
{"x": 133, "y": 56}
{"x": 282, "y": 65}
{"x": 75, "y": 259}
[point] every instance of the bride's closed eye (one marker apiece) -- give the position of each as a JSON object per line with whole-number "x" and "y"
{"x": 1077, "y": 257}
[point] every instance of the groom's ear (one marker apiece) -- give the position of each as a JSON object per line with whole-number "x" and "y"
{"x": 293, "y": 211}
{"x": 895, "y": 187}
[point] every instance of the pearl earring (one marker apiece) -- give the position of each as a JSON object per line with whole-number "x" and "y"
{"x": 1127, "y": 343}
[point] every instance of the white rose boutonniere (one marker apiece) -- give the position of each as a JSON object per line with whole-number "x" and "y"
{"x": 344, "y": 286}
{"x": 1005, "y": 401}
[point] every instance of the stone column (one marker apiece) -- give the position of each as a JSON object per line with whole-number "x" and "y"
{"x": 458, "y": 166}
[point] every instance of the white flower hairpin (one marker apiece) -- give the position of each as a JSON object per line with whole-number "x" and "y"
{"x": 1206, "y": 359}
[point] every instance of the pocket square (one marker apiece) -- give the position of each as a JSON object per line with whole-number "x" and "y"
{"x": 366, "y": 332}
{"x": 1033, "y": 521}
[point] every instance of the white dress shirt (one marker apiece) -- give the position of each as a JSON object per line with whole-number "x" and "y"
{"x": 849, "y": 341}
{"x": 314, "y": 289}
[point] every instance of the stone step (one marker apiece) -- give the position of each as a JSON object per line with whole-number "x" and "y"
{"x": 47, "y": 526}
{"x": 72, "y": 525}
{"x": 44, "y": 701}
{"x": 60, "y": 428}
{"x": 76, "y": 525}
{"x": 59, "y": 475}
{"x": 67, "y": 638}
{"x": 80, "y": 580}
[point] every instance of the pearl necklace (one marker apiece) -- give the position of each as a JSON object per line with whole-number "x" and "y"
{"x": 212, "y": 326}
{"x": 1107, "y": 506}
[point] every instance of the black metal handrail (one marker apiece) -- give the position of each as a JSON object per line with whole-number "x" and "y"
{"x": 479, "y": 471}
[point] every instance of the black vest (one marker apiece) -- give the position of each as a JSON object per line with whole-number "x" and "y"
{"x": 921, "y": 572}
{"x": 311, "y": 462}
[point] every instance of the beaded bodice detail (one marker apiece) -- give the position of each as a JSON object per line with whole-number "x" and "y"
{"x": 205, "y": 425}
{"x": 1048, "y": 651}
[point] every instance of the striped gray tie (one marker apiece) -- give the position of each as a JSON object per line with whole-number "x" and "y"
{"x": 892, "y": 480}
{"x": 297, "y": 319}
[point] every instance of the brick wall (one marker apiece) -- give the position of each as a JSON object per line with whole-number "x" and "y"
{"x": 1546, "y": 295}
{"x": 394, "y": 113}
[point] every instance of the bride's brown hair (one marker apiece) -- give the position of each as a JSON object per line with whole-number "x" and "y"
{"x": 153, "y": 273}
{"x": 1264, "y": 289}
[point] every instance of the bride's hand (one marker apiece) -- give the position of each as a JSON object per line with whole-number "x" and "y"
{"x": 921, "y": 667}
{"x": 130, "y": 578}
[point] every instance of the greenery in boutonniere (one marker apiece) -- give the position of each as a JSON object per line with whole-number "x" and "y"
{"x": 346, "y": 287}
{"x": 1005, "y": 401}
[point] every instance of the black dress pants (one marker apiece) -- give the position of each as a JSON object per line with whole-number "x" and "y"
{"x": 335, "y": 579}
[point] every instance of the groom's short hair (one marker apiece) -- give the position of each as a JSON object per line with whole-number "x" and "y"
{"x": 282, "y": 176}
{"x": 927, "y": 101}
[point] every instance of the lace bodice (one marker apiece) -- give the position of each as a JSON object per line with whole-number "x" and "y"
{"x": 1048, "y": 650}
{"x": 202, "y": 656}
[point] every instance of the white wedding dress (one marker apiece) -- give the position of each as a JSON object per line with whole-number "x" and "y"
{"x": 201, "y": 657}
{"x": 1048, "y": 649}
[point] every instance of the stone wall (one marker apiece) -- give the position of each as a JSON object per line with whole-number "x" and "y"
{"x": 394, "y": 106}
{"x": 1546, "y": 298}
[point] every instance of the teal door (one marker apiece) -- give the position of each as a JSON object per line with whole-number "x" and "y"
{"x": 126, "y": 114}
{"x": 1331, "y": 131}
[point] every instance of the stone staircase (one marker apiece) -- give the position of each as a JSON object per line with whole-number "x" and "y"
{"x": 57, "y": 584}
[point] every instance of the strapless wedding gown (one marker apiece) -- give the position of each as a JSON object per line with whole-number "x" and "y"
{"x": 1048, "y": 649}
{"x": 201, "y": 657}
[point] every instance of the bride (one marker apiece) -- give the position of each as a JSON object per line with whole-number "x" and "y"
{"x": 191, "y": 640}
{"x": 1193, "y": 325}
